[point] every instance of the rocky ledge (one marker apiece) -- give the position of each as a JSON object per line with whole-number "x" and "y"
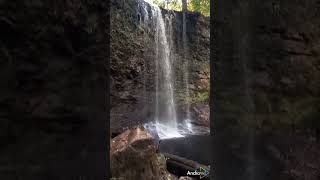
{"x": 134, "y": 155}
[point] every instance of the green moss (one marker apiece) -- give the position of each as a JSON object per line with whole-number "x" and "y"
{"x": 198, "y": 97}
{"x": 194, "y": 97}
{"x": 161, "y": 159}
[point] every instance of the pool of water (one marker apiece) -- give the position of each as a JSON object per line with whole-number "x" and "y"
{"x": 193, "y": 147}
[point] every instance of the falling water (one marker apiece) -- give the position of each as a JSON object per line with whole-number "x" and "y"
{"x": 186, "y": 64}
{"x": 165, "y": 108}
{"x": 145, "y": 68}
{"x": 146, "y": 15}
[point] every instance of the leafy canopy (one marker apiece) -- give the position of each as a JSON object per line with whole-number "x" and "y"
{"x": 202, "y": 6}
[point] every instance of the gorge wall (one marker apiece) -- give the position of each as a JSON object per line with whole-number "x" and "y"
{"x": 133, "y": 58}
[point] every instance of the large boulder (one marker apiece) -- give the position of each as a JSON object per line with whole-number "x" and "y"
{"x": 133, "y": 156}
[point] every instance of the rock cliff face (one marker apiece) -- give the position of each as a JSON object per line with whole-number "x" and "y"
{"x": 133, "y": 62}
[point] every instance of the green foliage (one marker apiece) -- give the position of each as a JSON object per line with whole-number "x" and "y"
{"x": 202, "y": 6}
{"x": 169, "y": 4}
{"x": 160, "y": 3}
{"x": 161, "y": 159}
{"x": 175, "y": 5}
{"x": 198, "y": 97}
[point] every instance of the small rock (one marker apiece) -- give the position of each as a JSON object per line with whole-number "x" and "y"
{"x": 191, "y": 86}
{"x": 185, "y": 178}
{"x": 172, "y": 177}
{"x": 124, "y": 95}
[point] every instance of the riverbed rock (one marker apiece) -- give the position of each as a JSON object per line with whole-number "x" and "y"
{"x": 133, "y": 156}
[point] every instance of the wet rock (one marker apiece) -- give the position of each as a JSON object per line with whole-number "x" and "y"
{"x": 133, "y": 156}
{"x": 185, "y": 178}
{"x": 202, "y": 113}
{"x": 173, "y": 177}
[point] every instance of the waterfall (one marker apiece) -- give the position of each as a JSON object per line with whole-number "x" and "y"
{"x": 165, "y": 121}
{"x": 186, "y": 64}
{"x": 165, "y": 106}
{"x": 165, "y": 109}
{"x": 145, "y": 67}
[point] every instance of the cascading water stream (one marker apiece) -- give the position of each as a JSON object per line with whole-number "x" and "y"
{"x": 145, "y": 68}
{"x": 186, "y": 63}
{"x": 165, "y": 108}
{"x": 165, "y": 123}
{"x": 166, "y": 117}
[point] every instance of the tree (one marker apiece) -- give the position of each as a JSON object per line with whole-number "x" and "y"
{"x": 159, "y": 3}
{"x": 202, "y": 6}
